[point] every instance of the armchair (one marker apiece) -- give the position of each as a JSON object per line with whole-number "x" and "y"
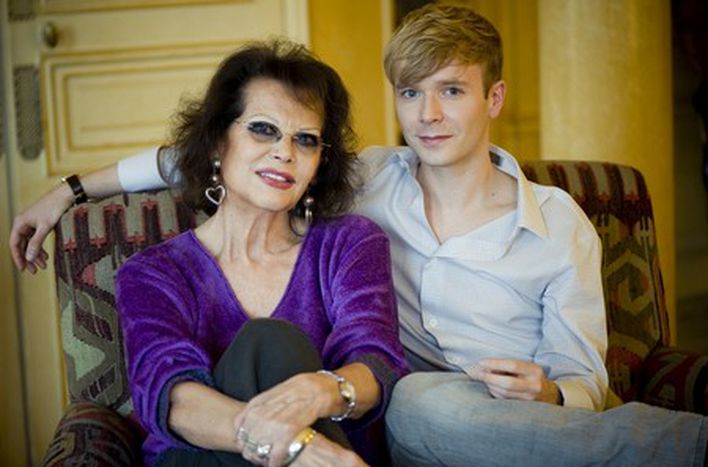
{"x": 93, "y": 240}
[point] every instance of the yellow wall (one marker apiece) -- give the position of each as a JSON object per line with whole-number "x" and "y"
{"x": 606, "y": 94}
{"x": 350, "y": 37}
{"x": 517, "y": 128}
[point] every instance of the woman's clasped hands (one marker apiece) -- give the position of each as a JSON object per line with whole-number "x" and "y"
{"x": 273, "y": 429}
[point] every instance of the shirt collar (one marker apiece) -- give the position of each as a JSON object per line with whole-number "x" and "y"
{"x": 529, "y": 201}
{"x": 407, "y": 158}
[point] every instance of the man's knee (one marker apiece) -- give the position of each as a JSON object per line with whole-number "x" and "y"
{"x": 424, "y": 423}
{"x": 426, "y": 401}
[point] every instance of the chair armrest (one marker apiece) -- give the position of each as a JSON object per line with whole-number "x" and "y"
{"x": 90, "y": 434}
{"x": 675, "y": 379}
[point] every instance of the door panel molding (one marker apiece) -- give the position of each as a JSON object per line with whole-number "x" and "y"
{"x": 89, "y": 101}
{"x": 20, "y": 10}
{"x": 27, "y": 111}
{"x": 80, "y": 6}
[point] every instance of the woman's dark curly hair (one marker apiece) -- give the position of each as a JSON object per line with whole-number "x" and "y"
{"x": 202, "y": 126}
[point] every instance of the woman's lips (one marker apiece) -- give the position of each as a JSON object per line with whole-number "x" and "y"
{"x": 279, "y": 180}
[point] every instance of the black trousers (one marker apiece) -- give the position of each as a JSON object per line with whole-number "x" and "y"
{"x": 264, "y": 353}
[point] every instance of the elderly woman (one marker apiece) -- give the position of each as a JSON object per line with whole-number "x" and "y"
{"x": 268, "y": 334}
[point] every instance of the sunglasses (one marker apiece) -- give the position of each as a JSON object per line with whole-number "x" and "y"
{"x": 269, "y": 133}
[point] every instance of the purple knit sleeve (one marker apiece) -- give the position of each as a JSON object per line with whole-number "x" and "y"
{"x": 363, "y": 310}
{"x": 156, "y": 307}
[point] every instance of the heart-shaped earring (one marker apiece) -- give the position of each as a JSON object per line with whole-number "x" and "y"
{"x": 215, "y": 194}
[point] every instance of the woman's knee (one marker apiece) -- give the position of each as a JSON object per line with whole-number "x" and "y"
{"x": 264, "y": 353}
{"x": 269, "y": 329}
{"x": 274, "y": 341}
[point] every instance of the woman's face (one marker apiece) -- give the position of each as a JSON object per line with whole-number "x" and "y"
{"x": 273, "y": 149}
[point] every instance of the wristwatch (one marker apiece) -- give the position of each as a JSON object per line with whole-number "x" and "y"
{"x": 76, "y": 188}
{"x": 346, "y": 390}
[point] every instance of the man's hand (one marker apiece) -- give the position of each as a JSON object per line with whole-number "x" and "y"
{"x": 32, "y": 226}
{"x": 517, "y": 379}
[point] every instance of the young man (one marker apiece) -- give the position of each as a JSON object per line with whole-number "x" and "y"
{"x": 498, "y": 279}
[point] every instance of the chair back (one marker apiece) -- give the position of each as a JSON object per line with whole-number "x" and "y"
{"x": 92, "y": 242}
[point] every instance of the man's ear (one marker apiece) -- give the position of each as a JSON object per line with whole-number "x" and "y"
{"x": 495, "y": 98}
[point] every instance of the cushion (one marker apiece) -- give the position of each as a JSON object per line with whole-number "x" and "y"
{"x": 90, "y": 434}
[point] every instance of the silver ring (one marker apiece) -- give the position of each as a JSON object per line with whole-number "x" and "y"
{"x": 263, "y": 451}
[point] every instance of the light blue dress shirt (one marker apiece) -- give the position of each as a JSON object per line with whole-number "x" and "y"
{"x": 526, "y": 285}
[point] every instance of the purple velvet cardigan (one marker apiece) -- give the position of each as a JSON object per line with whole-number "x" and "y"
{"x": 179, "y": 315}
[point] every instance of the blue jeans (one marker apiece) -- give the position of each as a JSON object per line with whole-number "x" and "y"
{"x": 444, "y": 418}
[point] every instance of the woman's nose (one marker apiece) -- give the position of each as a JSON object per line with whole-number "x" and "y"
{"x": 284, "y": 150}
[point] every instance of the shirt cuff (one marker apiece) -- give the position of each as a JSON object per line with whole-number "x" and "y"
{"x": 575, "y": 395}
{"x": 141, "y": 172}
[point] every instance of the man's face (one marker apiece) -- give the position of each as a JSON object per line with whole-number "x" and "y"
{"x": 445, "y": 117}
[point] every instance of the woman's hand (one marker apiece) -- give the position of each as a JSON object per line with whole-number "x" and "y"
{"x": 32, "y": 226}
{"x": 323, "y": 452}
{"x": 276, "y": 416}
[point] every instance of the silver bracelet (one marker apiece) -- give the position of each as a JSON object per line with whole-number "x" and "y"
{"x": 346, "y": 390}
{"x": 298, "y": 444}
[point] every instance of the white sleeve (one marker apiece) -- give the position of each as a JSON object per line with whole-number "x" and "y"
{"x": 144, "y": 171}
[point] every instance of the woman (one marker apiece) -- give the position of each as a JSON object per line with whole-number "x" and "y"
{"x": 226, "y": 326}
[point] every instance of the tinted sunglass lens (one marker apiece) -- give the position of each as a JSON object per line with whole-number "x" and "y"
{"x": 307, "y": 141}
{"x": 264, "y": 131}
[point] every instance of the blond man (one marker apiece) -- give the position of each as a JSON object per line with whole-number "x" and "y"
{"x": 498, "y": 279}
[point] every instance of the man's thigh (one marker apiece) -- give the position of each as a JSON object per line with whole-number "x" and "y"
{"x": 439, "y": 418}
{"x": 427, "y": 421}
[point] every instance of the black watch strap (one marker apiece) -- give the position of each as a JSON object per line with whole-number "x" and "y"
{"x": 77, "y": 188}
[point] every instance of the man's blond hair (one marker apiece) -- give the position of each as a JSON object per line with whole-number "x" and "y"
{"x": 436, "y": 35}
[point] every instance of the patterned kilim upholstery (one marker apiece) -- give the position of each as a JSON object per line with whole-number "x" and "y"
{"x": 94, "y": 239}
{"x": 92, "y": 435}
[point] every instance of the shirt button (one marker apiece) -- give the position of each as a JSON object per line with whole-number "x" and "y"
{"x": 433, "y": 322}
{"x": 454, "y": 360}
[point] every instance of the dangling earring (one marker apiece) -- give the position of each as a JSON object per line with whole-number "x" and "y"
{"x": 215, "y": 193}
{"x": 308, "y": 202}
